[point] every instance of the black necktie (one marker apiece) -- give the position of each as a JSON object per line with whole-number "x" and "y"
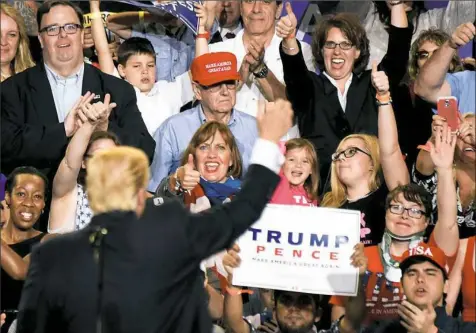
{"x": 230, "y": 35}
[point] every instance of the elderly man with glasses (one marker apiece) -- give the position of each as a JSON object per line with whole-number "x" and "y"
{"x": 215, "y": 80}
{"x": 39, "y": 108}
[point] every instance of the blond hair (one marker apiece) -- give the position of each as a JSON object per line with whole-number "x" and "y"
{"x": 23, "y": 59}
{"x": 438, "y": 37}
{"x": 338, "y": 194}
{"x": 114, "y": 178}
{"x": 311, "y": 184}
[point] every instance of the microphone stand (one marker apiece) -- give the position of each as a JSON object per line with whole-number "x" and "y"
{"x": 96, "y": 241}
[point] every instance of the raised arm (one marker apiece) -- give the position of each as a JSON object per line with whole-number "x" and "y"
{"x": 299, "y": 85}
{"x": 233, "y": 303}
{"x": 430, "y": 83}
{"x": 121, "y": 23}
{"x": 355, "y": 309}
{"x": 68, "y": 170}
{"x": 456, "y": 278}
{"x": 393, "y": 165}
{"x": 206, "y": 17}
{"x": 106, "y": 63}
{"x": 446, "y": 231}
{"x": 206, "y": 231}
{"x": 400, "y": 33}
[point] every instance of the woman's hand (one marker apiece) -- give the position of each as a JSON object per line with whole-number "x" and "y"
{"x": 187, "y": 175}
{"x": 286, "y": 27}
{"x": 379, "y": 80}
{"x": 231, "y": 260}
{"x": 442, "y": 151}
{"x": 205, "y": 14}
{"x": 359, "y": 259}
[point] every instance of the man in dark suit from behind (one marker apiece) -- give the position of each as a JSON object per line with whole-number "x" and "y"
{"x": 147, "y": 276}
{"x": 37, "y": 106}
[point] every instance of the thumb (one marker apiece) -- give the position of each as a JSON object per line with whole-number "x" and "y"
{"x": 289, "y": 8}
{"x": 107, "y": 99}
{"x": 190, "y": 162}
{"x": 374, "y": 67}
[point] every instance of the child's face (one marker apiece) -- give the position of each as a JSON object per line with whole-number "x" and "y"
{"x": 297, "y": 166}
{"x": 139, "y": 71}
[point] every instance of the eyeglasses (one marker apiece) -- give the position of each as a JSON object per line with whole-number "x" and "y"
{"x": 421, "y": 55}
{"x": 412, "y": 212}
{"x": 230, "y": 85}
{"x": 54, "y": 30}
{"x": 343, "y": 45}
{"x": 348, "y": 153}
{"x": 253, "y": 1}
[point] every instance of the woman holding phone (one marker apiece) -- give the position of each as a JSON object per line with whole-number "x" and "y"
{"x": 464, "y": 168}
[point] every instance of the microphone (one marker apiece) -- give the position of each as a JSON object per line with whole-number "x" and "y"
{"x": 96, "y": 240}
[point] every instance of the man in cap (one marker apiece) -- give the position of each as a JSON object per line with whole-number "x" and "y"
{"x": 215, "y": 79}
{"x": 424, "y": 281}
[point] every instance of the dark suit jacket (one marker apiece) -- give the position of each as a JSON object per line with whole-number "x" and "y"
{"x": 31, "y": 133}
{"x": 316, "y": 104}
{"x": 153, "y": 283}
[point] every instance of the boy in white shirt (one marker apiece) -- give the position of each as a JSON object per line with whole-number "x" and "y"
{"x": 137, "y": 64}
{"x": 156, "y": 100}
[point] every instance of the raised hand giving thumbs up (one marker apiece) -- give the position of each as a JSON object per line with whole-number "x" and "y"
{"x": 379, "y": 80}
{"x": 286, "y": 27}
{"x": 187, "y": 175}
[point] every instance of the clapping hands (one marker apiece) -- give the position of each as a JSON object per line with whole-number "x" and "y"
{"x": 83, "y": 111}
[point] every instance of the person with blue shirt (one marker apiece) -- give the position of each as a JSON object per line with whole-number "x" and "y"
{"x": 215, "y": 79}
{"x": 434, "y": 82}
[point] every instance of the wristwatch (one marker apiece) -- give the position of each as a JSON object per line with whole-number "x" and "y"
{"x": 262, "y": 73}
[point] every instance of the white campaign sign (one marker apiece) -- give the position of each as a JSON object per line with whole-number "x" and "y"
{"x": 302, "y": 249}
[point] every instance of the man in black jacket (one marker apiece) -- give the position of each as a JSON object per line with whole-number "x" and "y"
{"x": 146, "y": 277}
{"x": 424, "y": 281}
{"x": 38, "y": 105}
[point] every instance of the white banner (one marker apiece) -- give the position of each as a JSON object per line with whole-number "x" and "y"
{"x": 301, "y": 249}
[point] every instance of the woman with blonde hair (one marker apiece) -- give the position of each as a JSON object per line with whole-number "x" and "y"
{"x": 15, "y": 55}
{"x": 356, "y": 166}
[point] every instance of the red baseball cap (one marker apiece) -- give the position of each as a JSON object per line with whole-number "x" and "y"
{"x": 428, "y": 253}
{"x": 211, "y": 68}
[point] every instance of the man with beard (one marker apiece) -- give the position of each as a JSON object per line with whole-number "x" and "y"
{"x": 293, "y": 312}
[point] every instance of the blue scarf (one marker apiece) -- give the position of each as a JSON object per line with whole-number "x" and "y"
{"x": 218, "y": 192}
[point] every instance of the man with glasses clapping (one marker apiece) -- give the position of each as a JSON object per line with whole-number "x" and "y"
{"x": 39, "y": 108}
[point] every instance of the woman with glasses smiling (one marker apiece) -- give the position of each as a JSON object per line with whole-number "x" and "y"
{"x": 341, "y": 100}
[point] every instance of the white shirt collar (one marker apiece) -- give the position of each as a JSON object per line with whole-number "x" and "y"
{"x": 224, "y": 31}
{"x": 56, "y": 77}
{"x": 154, "y": 91}
{"x": 334, "y": 82}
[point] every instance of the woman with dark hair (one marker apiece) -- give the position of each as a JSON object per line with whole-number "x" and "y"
{"x": 70, "y": 209}
{"x": 211, "y": 166}
{"x": 25, "y": 196}
{"x": 447, "y": 19}
{"x": 341, "y": 100}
